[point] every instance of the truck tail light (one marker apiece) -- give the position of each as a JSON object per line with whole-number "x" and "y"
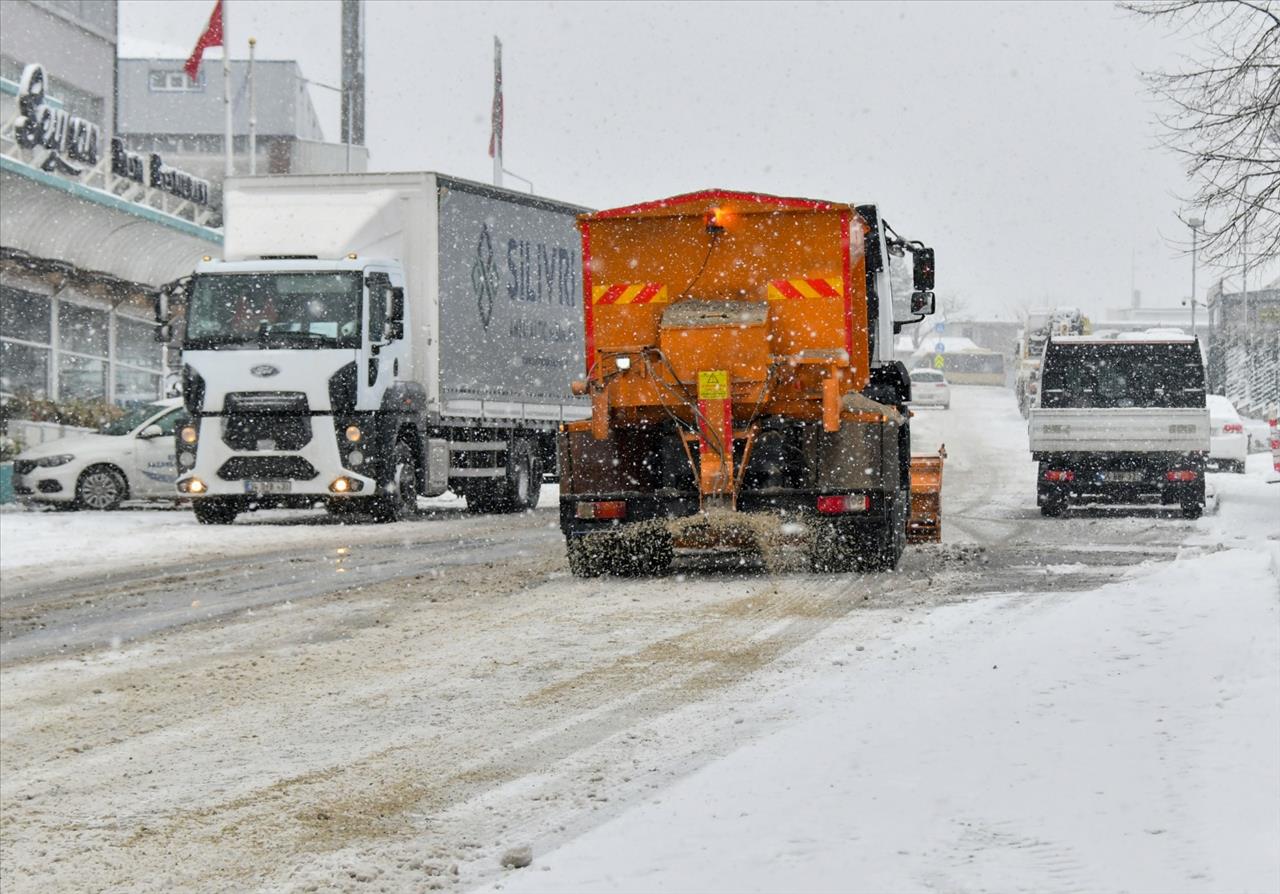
{"x": 1233, "y": 428}
{"x": 1059, "y": 475}
{"x": 842, "y": 503}
{"x": 602, "y": 509}
{"x": 1181, "y": 475}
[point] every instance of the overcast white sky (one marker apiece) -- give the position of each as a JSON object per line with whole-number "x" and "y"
{"x": 1015, "y": 138}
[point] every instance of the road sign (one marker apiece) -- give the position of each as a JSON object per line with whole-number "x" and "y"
{"x": 940, "y": 347}
{"x": 939, "y": 361}
{"x": 939, "y": 327}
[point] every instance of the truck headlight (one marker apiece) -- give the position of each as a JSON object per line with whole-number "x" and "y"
{"x": 60, "y": 459}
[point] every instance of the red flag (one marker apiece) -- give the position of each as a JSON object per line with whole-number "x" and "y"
{"x": 495, "y": 131}
{"x": 212, "y": 37}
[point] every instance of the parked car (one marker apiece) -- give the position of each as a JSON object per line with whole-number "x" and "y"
{"x": 1228, "y": 443}
{"x": 929, "y": 388}
{"x": 131, "y": 458}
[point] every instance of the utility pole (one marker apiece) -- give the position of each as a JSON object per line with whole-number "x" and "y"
{"x": 352, "y": 75}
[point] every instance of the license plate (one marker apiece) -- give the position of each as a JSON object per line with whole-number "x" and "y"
{"x": 267, "y": 487}
{"x": 1120, "y": 476}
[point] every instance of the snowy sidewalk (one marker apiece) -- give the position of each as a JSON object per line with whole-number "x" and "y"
{"x": 1123, "y": 739}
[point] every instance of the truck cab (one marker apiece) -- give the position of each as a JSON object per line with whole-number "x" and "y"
{"x": 295, "y": 377}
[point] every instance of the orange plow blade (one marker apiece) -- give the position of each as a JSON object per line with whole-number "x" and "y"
{"x": 925, "y": 523}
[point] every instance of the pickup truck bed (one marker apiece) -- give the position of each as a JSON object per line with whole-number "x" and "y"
{"x": 1120, "y": 430}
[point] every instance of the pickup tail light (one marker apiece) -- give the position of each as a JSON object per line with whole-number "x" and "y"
{"x": 1181, "y": 475}
{"x": 1059, "y": 475}
{"x": 1233, "y": 428}
{"x": 842, "y": 503}
{"x": 602, "y": 509}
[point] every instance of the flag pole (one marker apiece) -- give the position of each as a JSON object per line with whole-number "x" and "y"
{"x": 226, "y": 93}
{"x": 498, "y": 113}
{"x": 253, "y": 116}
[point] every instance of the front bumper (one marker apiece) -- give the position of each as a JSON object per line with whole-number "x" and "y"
{"x": 308, "y": 471}
{"x": 55, "y": 484}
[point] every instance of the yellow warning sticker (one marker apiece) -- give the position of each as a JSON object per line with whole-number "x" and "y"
{"x": 939, "y": 361}
{"x": 713, "y": 384}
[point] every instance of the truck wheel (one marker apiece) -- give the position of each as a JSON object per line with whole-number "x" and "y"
{"x": 402, "y": 502}
{"x": 520, "y": 489}
{"x": 212, "y": 511}
{"x": 100, "y": 488}
{"x": 1053, "y": 507}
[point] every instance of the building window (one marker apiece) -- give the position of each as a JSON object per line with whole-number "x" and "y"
{"x": 24, "y": 369}
{"x": 82, "y": 329}
{"x": 81, "y": 378}
{"x": 24, "y": 316}
{"x": 175, "y": 82}
{"x": 85, "y": 361}
{"x": 136, "y": 386}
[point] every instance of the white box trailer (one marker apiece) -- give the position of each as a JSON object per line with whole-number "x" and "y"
{"x": 425, "y": 327}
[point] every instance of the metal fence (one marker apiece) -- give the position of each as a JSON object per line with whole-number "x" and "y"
{"x": 1244, "y": 350}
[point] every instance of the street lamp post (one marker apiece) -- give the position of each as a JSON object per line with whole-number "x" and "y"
{"x": 1195, "y": 223}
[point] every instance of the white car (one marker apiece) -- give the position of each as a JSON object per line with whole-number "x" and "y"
{"x": 929, "y": 388}
{"x": 1228, "y": 443}
{"x": 131, "y": 459}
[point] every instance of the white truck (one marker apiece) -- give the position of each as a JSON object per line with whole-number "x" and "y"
{"x": 1120, "y": 421}
{"x": 370, "y": 338}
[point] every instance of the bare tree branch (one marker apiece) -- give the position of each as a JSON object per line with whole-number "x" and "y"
{"x": 1224, "y": 117}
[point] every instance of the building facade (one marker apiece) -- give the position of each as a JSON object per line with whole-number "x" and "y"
{"x": 87, "y": 236}
{"x": 1244, "y": 348}
{"x": 164, "y": 110}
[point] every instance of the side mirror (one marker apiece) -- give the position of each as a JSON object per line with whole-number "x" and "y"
{"x": 922, "y": 303}
{"x": 164, "y": 333}
{"x": 922, "y": 270}
{"x": 151, "y": 431}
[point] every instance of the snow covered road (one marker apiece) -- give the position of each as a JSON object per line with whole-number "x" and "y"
{"x": 1087, "y": 703}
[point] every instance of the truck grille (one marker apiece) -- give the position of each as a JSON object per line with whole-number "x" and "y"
{"x": 267, "y": 468}
{"x": 270, "y": 420}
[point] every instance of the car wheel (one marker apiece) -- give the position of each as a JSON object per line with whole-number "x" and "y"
{"x": 100, "y": 488}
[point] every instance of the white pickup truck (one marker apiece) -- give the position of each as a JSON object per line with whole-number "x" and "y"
{"x": 1121, "y": 421}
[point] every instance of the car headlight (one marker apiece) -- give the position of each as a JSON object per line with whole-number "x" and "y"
{"x": 59, "y": 459}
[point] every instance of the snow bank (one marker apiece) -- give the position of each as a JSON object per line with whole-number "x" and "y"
{"x": 1126, "y": 738}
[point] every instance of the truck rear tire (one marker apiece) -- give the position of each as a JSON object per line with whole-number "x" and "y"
{"x": 213, "y": 511}
{"x": 520, "y": 489}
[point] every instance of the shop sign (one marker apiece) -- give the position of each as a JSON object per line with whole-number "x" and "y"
{"x": 156, "y": 174}
{"x": 67, "y": 137}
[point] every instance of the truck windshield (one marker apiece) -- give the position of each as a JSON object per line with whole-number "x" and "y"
{"x": 1122, "y": 375}
{"x": 274, "y": 310}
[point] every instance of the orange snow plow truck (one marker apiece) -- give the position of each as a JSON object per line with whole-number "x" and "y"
{"x": 739, "y": 361}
